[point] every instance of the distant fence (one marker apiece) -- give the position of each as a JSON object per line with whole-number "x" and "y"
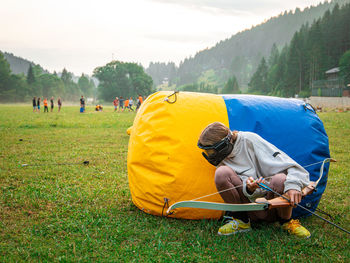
{"x": 328, "y": 88}
{"x": 327, "y": 92}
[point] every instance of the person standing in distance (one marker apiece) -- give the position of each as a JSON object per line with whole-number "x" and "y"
{"x": 34, "y": 104}
{"x": 46, "y": 108}
{"x": 82, "y": 103}
{"x": 116, "y": 103}
{"x": 121, "y": 104}
{"x": 38, "y": 104}
{"x": 59, "y": 103}
{"x": 51, "y": 104}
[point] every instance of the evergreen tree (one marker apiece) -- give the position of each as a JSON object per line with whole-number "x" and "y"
{"x": 274, "y": 55}
{"x": 30, "y": 75}
{"x": 66, "y": 77}
{"x": 231, "y": 86}
{"x": 317, "y": 57}
{"x": 344, "y": 66}
{"x": 279, "y": 83}
{"x": 258, "y": 83}
{"x": 296, "y": 63}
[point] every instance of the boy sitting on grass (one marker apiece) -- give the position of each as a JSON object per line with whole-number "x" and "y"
{"x": 244, "y": 159}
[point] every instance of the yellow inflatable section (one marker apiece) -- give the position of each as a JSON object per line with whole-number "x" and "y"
{"x": 164, "y": 162}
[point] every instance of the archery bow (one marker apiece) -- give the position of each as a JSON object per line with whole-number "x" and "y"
{"x": 263, "y": 204}
{"x": 262, "y": 185}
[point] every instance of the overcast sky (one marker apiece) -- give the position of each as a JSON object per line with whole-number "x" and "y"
{"x": 83, "y": 34}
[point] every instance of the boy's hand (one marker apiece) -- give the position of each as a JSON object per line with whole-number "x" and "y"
{"x": 294, "y": 196}
{"x": 252, "y": 184}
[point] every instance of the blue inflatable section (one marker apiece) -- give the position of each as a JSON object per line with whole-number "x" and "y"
{"x": 292, "y": 126}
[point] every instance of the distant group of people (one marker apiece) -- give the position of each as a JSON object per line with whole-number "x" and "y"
{"x": 122, "y": 104}
{"x": 37, "y": 102}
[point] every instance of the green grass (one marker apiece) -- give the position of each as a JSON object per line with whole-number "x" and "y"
{"x": 70, "y": 213}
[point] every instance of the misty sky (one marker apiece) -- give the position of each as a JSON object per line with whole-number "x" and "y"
{"x": 83, "y": 34}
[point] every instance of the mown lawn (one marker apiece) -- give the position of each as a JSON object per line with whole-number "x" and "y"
{"x": 57, "y": 209}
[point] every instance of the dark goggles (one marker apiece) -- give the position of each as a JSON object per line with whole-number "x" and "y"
{"x": 220, "y": 149}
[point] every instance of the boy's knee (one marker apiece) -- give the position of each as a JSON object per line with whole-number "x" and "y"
{"x": 222, "y": 174}
{"x": 277, "y": 182}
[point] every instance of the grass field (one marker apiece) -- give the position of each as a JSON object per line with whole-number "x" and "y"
{"x": 71, "y": 213}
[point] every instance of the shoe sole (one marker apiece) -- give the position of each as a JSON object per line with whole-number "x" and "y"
{"x": 233, "y": 233}
{"x": 299, "y": 236}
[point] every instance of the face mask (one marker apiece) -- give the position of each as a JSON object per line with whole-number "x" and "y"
{"x": 220, "y": 149}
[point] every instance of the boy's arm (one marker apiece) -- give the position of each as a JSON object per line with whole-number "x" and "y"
{"x": 270, "y": 161}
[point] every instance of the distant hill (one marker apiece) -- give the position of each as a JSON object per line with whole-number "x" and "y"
{"x": 240, "y": 54}
{"x": 19, "y": 65}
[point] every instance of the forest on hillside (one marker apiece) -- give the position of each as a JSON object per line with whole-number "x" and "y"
{"x": 239, "y": 56}
{"x": 314, "y": 49}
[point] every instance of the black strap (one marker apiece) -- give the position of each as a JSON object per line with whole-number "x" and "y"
{"x": 308, "y": 106}
{"x": 167, "y": 99}
{"x": 166, "y": 204}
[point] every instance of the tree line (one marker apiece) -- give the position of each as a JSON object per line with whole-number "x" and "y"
{"x": 116, "y": 79}
{"x": 313, "y": 50}
{"x": 40, "y": 83}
